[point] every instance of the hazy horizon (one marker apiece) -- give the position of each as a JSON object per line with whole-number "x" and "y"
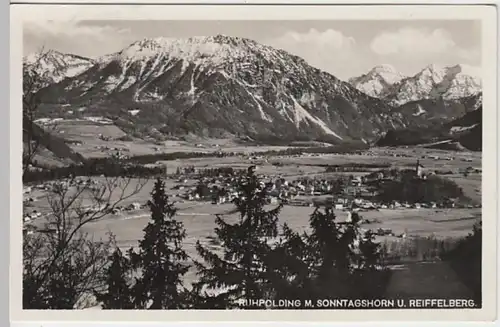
{"x": 342, "y": 48}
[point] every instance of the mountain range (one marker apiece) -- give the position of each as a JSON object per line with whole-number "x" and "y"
{"x": 220, "y": 85}
{"x": 434, "y": 82}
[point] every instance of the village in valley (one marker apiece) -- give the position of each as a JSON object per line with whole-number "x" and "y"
{"x": 199, "y": 189}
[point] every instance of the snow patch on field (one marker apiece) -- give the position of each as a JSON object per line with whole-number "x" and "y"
{"x": 458, "y": 129}
{"x": 47, "y": 121}
{"x": 420, "y": 111}
{"x": 100, "y": 120}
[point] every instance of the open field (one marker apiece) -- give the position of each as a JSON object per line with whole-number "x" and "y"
{"x": 94, "y": 134}
{"x": 198, "y": 218}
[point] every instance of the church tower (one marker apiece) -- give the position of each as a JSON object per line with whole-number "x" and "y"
{"x": 419, "y": 169}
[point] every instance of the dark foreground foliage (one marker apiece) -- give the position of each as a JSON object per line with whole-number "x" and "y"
{"x": 151, "y": 276}
{"x": 466, "y": 260}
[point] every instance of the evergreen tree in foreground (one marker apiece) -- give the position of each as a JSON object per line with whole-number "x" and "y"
{"x": 334, "y": 260}
{"x": 118, "y": 294}
{"x": 240, "y": 272}
{"x": 160, "y": 261}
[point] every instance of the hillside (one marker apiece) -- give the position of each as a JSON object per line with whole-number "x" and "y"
{"x": 462, "y": 133}
{"x": 50, "y": 143}
{"x": 220, "y": 86}
{"x": 435, "y": 112}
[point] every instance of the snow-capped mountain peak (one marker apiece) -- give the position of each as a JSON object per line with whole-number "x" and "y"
{"x": 57, "y": 65}
{"x": 378, "y": 81}
{"x": 438, "y": 82}
{"x": 432, "y": 82}
{"x": 217, "y": 49}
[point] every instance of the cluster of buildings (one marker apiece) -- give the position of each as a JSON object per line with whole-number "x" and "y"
{"x": 346, "y": 193}
{"x": 67, "y": 182}
{"x": 222, "y": 189}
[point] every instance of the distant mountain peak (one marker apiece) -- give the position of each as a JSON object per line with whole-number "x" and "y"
{"x": 438, "y": 82}
{"x": 219, "y": 48}
{"x": 434, "y": 67}
{"x": 382, "y": 68}
{"x": 432, "y": 82}
{"x": 55, "y": 65}
{"x": 378, "y": 81}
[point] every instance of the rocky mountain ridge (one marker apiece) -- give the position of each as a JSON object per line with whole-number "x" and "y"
{"x": 220, "y": 85}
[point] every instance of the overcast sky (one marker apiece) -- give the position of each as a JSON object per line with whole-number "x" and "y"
{"x": 343, "y": 48}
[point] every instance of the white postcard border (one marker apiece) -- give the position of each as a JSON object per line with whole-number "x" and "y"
{"x": 487, "y": 15}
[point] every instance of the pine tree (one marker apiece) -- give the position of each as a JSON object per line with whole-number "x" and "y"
{"x": 118, "y": 294}
{"x": 240, "y": 270}
{"x": 161, "y": 258}
{"x": 369, "y": 276}
{"x": 333, "y": 261}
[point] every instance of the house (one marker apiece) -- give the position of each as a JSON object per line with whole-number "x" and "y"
{"x": 28, "y": 230}
{"x": 134, "y": 206}
{"x": 349, "y": 217}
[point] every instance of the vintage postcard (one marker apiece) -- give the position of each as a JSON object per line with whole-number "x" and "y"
{"x": 194, "y": 163}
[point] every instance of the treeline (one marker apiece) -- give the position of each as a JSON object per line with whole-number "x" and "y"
{"x": 220, "y": 171}
{"x": 153, "y": 158}
{"x": 355, "y": 167}
{"x": 285, "y": 139}
{"x": 106, "y": 166}
{"x": 410, "y": 137}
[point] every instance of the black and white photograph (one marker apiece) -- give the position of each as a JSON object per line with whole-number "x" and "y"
{"x": 328, "y": 164}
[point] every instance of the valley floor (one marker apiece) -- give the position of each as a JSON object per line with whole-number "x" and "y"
{"x": 414, "y": 278}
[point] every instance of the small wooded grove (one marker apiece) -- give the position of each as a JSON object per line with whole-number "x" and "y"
{"x": 258, "y": 259}
{"x": 407, "y": 188}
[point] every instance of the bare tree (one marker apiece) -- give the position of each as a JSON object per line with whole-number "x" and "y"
{"x": 62, "y": 262}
